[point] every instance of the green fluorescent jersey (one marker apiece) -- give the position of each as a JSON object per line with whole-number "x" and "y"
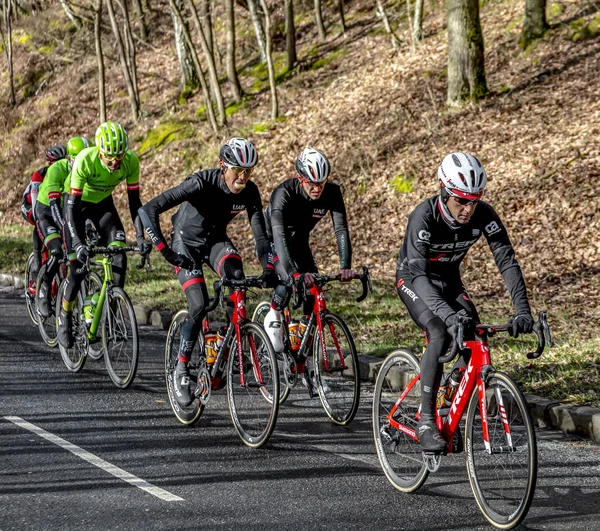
{"x": 53, "y": 184}
{"x": 91, "y": 180}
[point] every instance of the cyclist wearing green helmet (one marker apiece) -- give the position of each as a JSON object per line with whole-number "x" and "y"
{"x": 96, "y": 173}
{"x": 48, "y": 216}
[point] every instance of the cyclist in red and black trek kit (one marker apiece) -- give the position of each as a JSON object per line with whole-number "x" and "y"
{"x": 296, "y": 206}
{"x": 48, "y": 216}
{"x": 210, "y": 200}
{"x": 96, "y": 172}
{"x": 440, "y": 231}
{"x": 53, "y": 154}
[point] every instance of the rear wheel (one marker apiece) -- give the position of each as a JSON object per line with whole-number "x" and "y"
{"x": 399, "y": 452}
{"x": 120, "y": 338}
{"x": 251, "y": 404}
{"x": 30, "y": 290}
{"x": 74, "y": 357}
{"x": 503, "y": 471}
{"x": 190, "y": 414}
{"x": 337, "y": 373}
{"x": 47, "y": 325}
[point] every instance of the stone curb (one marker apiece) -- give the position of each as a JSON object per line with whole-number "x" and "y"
{"x": 582, "y": 421}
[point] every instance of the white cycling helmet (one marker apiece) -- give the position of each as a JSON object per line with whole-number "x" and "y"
{"x": 239, "y": 152}
{"x": 312, "y": 165}
{"x": 462, "y": 175}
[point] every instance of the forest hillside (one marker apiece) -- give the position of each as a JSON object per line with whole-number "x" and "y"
{"x": 379, "y": 113}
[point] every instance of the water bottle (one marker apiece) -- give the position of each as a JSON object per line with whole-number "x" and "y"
{"x": 88, "y": 313}
{"x": 302, "y": 327}
{"x": 452, "y": 385}
{"x": 295, "y": 339}
{"x": 210, "y": 339}
{"x": 220, "y": 338}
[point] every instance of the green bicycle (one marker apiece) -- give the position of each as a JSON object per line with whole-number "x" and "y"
{"x": 104, "y": 322}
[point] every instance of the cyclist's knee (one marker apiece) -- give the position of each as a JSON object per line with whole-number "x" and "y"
{"x": 281, "y": 297}
{"x": 437, "y": 336}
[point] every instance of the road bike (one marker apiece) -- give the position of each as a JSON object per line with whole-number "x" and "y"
{"x": 244, "y": 363}
{"x": 500, "y": 442}
{"x": 104, "y": 322}
{"x": 334, "y": 357}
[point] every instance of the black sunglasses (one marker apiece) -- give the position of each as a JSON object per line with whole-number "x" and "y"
{"x": 464, "y": 202}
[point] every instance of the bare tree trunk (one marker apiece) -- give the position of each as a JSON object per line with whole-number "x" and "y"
{"x": 269, "y": 52}
{"x": 130, "y": 49}
{"x": 189, "y": 78}
{"x": 135, "y": 109}
{"x": 381, "y": 13}
{"x": 258, "y": 29}
{"x": 417, "y": 29}
{"x": 234, "y": 81}
{"x": 69, "y": 12}
{"x": 205, "y": 13}
{"x": 209, "y": 108}
{"x": 290, "y": 34}
{"x": 210, "y": 60}
{"x": 100, "y": 60}
{"x": 340, "y": 4}
{"x": 535, "y": 23}
{"x": 141, "y": 16}
{"x": 466, "y": 66}
{"x": 8, "y": 49}
{"x": 319, "y": 20}
{"x": 409, "y": 18}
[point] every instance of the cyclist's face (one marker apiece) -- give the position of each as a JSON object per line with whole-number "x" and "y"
{"x": 461, "y": 209}
{"x": 112, "y": 163}
{"x": 313, "y": 190}
{"x": 235, "y": 178}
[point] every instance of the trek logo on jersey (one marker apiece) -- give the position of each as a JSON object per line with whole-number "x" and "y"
{"x": 236, "y": 209}
{"x": 400, "y": 285}
{"x": 452, "y": 246}
{"x": 319, "y": 212}
{"x": 492, "y": 228}
{"x": 424, "y": 236}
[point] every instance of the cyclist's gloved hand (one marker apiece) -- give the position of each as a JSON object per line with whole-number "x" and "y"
{"x": 83, "y": 252}
{"x": 269, "y": 278}
{"x": 309, "y": 280}
{"x": 520, "y": 324}
{"x": 177, "y": 259}
{"x": 346, "y": 275}
{"x": 144, "y": 247}
{"x": 462, "y": 316}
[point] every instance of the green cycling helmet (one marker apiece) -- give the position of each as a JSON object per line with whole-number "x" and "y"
{"x": 111, "y": 139}
{"x": 75, "y": 145}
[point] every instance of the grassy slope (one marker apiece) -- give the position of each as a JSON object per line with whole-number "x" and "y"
{"x": 380, "y": 115}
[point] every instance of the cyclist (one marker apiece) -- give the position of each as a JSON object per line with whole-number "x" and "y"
{"x": 296, "y": 206}
{"x": 53, "y": 154}
{"x": 440, "y": 231}
{"x": 209, "y": 200}
{"x": 96, "y": 172}
{"x": 49, "y": 219}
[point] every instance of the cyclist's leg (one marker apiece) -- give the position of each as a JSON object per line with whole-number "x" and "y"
{"x": 438, "y": 341}
{"x": 112, "y": 234}
{"x": 225, "y": 260}
{"x": 53, "y": 242}
{"x": 37, "y": 252}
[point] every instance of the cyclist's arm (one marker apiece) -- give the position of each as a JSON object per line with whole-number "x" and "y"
{"x": 340, "y": 225}
{"x": 133, "y": 185}
{"x": 506, "y": 261}
{"x": 26, "y": 209}
{"x": 36, "y": 180}
{"x": 54, "y": 183}
{"x": 150, "y": 212}
{"x": 280, "y": 238}
{"x": 257, "y": 225}
{"x": 418, "y": 254}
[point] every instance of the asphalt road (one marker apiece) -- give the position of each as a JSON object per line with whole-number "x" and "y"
{"x": 77, "y": 453}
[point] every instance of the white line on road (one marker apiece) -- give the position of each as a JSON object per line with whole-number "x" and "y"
{"x": 96, "y": 461}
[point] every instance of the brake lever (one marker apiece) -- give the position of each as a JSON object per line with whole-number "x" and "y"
{"x": 542, "y": 331}
{"x": 365, "y": 280}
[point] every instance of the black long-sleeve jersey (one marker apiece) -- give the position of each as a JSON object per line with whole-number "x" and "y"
{"x": 432, "y": 252}
{"x": 208, "y": 207}
{"x": 292, "y": 214}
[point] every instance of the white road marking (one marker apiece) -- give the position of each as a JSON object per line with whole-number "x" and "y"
{"x": 96, "y": 461}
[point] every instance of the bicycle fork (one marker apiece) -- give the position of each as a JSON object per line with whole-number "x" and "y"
{"x": 482, "y": 392}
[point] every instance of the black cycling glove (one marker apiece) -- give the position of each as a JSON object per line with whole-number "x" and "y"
{"x": 177, "y": 259}
{"x": 520, "y": 324}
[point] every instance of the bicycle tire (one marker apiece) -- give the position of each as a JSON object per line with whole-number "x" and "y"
{"x": 190, "y": 414}
{"x": 74, "y": 357}
{"x": 399, "y": 454}
{"x": 93, "y": 284}
{"x": 48, "y": 326}
{"x": 495, "y": 476}
{"x": 339, "y": 390}
{"x": 283, "y": 363}
{"x": 253, "y": 410}
{"x": 120, "y": 337}
{"x": 30, "y": 297}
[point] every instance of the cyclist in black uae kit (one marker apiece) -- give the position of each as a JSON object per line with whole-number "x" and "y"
{"x": 296, "y": 206}
{"x": 209, "y": 199}
{"x": 440, "y": 231}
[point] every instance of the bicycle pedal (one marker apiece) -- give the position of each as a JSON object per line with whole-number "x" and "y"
{"x": 432, "y": 460}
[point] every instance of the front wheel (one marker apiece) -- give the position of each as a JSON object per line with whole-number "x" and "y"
{"x": 120, "y": 338}
{"x": 395, "y": 421}
{"x": 337, "y": 373}
{"x": 190, "y": 414}
{"x": 252, "y": 385}
{"x": 502, "y": 470}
